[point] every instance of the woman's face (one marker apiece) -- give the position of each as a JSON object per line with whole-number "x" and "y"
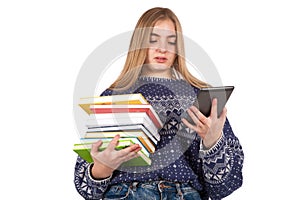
{"x": 162, "y": 48}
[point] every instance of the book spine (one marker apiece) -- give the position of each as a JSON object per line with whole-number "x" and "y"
{"x": 155, "y": 119}
{"x": 147, "y": 144}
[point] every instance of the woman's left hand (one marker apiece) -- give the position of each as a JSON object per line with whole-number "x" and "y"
{"x": 208, "y": 128}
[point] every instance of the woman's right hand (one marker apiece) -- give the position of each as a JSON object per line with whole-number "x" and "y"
{"x": 106, "y": 161}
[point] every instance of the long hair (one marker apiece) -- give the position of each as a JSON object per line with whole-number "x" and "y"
{"x": 137, "y": 53}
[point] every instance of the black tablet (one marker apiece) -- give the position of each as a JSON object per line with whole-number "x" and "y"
{"x": 206, "y": 95}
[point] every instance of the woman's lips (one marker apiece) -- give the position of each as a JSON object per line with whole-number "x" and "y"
{"x": 160, "y": 59}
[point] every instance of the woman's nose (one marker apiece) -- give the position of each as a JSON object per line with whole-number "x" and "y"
{"x": 162, "y": 47}
{"x": 161, "y": 50}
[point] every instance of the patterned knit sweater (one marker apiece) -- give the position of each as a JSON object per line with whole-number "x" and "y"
{"x": 180, "y": 156}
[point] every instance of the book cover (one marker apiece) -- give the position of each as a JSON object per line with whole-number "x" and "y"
{"x": 137, "y": 98}
{"x": 143, "y": 138}
{"x": 83, "y": 150}
{"x": 122, "y": 141}
{"x": 120, "y": 119}
{"x": 147, "y": 108}
{"x": 124, "y": 128}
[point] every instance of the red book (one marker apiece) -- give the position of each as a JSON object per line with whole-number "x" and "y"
{"x": 116, "y": 108}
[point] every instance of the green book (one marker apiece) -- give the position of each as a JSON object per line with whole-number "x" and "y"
{"x": 83, "y": 150}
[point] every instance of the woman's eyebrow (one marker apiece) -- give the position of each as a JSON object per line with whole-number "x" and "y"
{"x": 155, "y": 34}
{"x": 172, "y": 36}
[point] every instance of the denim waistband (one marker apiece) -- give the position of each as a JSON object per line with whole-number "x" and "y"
{"x": 162, "y": 186}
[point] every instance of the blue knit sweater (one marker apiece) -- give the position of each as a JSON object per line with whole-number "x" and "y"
{"x": 180, "y": 156}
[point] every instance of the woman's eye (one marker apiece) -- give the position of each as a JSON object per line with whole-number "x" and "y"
{"x": 172, "y": 43}
{"x": 153, "y": 41}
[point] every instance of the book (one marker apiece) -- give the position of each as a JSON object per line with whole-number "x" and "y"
{"x": 106, "y": 141}
{"x": 117, "y": 108}
{"x": 142, "y": 137}
{"x": 137, "y": 98}
{"x": 130, "y": 116}
{"x": 124, "y": 128}
{"x": 120, "y": 119}
{"x": 83, "y": 150}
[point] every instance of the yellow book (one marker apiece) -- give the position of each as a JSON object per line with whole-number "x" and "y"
{"x": 86, "y": 102}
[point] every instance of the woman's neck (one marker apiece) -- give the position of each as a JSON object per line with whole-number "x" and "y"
{"x": 166, "y": 73}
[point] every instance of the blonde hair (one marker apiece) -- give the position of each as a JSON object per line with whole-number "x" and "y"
{"x": 137, "y": 53}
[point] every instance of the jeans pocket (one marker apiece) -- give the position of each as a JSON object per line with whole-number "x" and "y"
{"x": 117, "y": 192}
{"x": 189, "y": 193}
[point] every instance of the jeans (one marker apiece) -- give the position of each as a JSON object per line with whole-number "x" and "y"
{"x": 156, "y": 190}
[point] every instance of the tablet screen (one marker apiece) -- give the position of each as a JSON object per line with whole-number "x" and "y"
{"x": 206, "y": 95}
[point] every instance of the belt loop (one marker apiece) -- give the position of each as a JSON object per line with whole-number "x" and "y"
{"x": 159, "y": 186}
{"x": 179, "y": 192}
{"x": 134, "y": 186}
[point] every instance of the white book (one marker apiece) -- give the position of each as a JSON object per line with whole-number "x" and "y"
{"x": 126, "y": 128}
{"x": 119, "y": 119}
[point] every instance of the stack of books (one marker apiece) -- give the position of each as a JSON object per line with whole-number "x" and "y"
{"x": 130, "y": 116}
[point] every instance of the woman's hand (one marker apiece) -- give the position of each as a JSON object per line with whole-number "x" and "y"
{"x": 106, "y": 161}
{"x": 208, "y": 128}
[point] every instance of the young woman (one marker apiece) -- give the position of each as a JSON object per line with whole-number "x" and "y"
{"x": 192, "y": 160}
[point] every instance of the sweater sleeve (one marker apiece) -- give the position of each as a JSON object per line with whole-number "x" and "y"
{"x": 86, "y": 185}
{"x": 222, "y": 165}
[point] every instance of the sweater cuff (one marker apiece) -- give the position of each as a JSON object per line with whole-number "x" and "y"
{"x": 99, "y": 181}
{"x": 204, "y": 152}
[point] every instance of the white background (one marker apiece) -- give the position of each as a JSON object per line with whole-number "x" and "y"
{"x": 43, "y": 44}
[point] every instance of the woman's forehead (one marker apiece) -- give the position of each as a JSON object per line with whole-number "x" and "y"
{"x": 165, "y": 24}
